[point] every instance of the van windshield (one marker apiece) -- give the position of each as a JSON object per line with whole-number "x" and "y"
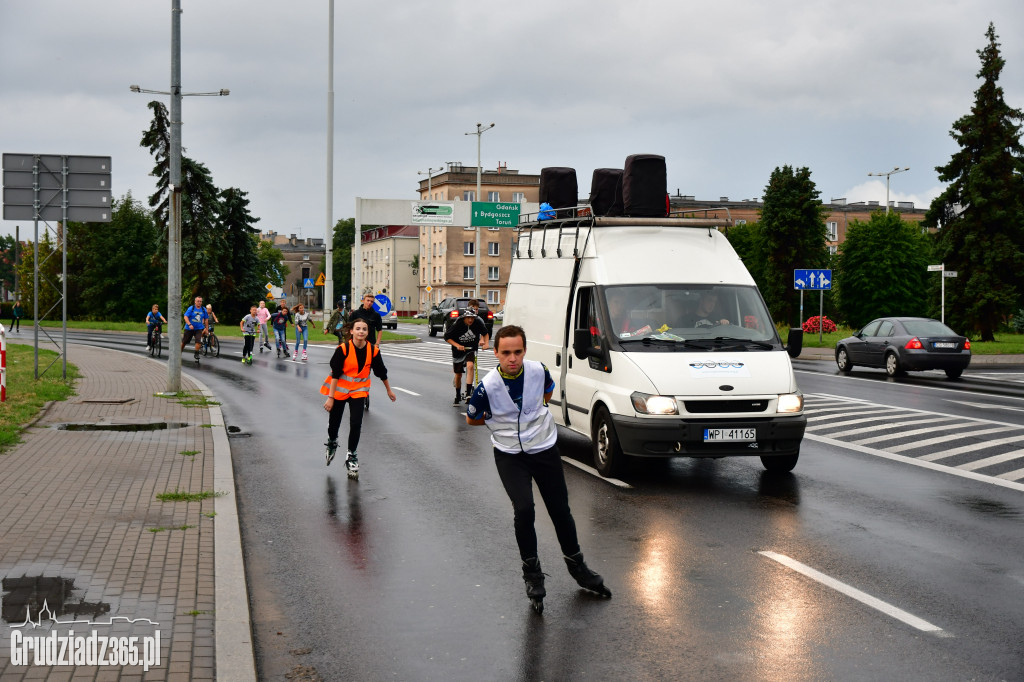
{"x": 645, "y": 317}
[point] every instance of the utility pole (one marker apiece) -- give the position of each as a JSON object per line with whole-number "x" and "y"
{"x": 480, "y": 130}
{"x": 430, "y": 239}
{"x": 329, "y": 238}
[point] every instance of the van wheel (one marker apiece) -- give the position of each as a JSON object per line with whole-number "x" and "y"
{"x": 608, "y": 457}
{"x": 780, "y": 463}
{"x": 432, "y": 332}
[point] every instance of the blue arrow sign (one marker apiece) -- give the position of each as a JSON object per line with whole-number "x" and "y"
{"x": 382, "y": 303}
{"x": 812, "y": 280}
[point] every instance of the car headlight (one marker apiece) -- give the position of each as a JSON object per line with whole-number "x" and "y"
{"x": 654, "y": 404}
{"x": 791, "y": 402}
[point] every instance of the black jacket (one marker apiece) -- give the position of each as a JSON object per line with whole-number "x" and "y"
{"x": 373, "y": 320}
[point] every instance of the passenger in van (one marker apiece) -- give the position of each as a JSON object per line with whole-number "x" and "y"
{"x": 707, "y": 314}
{"x": 621, "y": 316}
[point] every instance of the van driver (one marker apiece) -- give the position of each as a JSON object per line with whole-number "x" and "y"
{"x": 706, "y": 314}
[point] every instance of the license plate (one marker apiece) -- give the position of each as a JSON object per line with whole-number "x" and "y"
{"x": 943, "y": 344}
{"x": 730, "y": 435}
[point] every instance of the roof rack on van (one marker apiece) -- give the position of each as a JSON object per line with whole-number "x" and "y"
{"x": 569, "y": 219}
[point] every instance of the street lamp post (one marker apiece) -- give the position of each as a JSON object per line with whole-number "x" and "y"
{"x": 480, "y": 130}
{"x": 895, "y": 170}
{"x": 329, "y": 231}
{"x": 174, "y": 315}
{"x": 430, "y": 239}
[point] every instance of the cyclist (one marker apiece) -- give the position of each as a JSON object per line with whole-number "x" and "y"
{"x": 463, "y": 336}
{"x": 280, "y": 320}
{"x": 249, "y": 326}
{"x": 348, "y": 382}
{"x": 302, "y": 322}
{"x": 154, "y": 320}
{"x": 213, "y": 320}
{"x": 196, "y": 323}
{"x": 263, "y": 314}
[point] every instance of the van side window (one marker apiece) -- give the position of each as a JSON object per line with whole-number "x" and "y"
{"x": 587, "y": 318}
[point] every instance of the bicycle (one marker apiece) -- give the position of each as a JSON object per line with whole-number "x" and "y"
{"x": 157, "y": 343}
{"x": 211, "y": 344}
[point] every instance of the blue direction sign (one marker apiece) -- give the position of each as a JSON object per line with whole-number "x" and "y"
{"x": 307, "y": 283}
{"x": 812, "y": 280}
{"x": 382, "y": 303}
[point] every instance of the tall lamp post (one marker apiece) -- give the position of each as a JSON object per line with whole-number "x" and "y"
{"x": 430, "y": 239}
{"x": 174, "y": 314}
{"x": 480, "y": 130}
{"x": 329, "y": 231}
{"x": 895, "y": 170}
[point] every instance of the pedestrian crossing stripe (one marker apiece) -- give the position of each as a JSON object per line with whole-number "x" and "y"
{"x": 861, "y": 425}
{"x": 437, "y": 353}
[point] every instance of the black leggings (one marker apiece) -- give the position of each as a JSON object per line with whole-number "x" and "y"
{"x": 355, "y": 421}
{"x": 16, "y": 324}
{"x": 517, "y": 473}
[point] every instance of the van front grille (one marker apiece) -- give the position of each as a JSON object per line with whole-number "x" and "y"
{"x": 708, "y": 406}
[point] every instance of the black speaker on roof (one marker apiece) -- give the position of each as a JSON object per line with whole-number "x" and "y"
{"x": 644, "y": 186}
{"x": 558, "y": 187}
{"x": 606, "y": 192}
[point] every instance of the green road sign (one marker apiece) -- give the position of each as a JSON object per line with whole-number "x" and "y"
{"x": 494, "y": 214}
{"x": 433, "y": 213}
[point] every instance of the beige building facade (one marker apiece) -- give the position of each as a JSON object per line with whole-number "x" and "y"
{"x": 388, "y": 258}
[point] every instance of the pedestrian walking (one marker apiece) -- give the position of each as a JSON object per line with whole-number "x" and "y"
{"x": 511, "y": 401}
{"x": 348, "y": 383}
{"x": 249, "y": 325}
{"x": 280, "y": 320}
{"x": 337, "y": 321}
{"x": 263, "y": 314}
{"x": 17, "y": 312}
{"x": 154, "y": 320}
{"x": 302, "y": 322}
{"x": 465, "y": 335}
{"x": 196, "y": 323}
{"x": 372, "y": 317}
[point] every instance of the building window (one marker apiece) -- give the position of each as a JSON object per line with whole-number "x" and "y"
{"x": 468, "y": 272}
{"x": 493, "y": 197}
{"x": 493, "y": 297}
{"x": 492, "y": 248}
{"x": 833, "y": 231}
{"x": 305, "y": 257}
{"x": 492, "y": 273}
{"x": 833, "y": 250}
{"x": 469, "y": 195}
{"x": 468, "y": 293}
{"x": 468, "y": 249}
{"x": 518, "y": 197}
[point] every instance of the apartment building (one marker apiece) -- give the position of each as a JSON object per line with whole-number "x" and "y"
{"x": 304, "y": 257}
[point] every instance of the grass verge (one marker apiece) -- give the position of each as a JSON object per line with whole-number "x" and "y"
{"x": 182, "y": 496}
{"x": 25, "y": 395}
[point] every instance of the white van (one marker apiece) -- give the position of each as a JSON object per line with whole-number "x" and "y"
{"x": 657, "y": 338}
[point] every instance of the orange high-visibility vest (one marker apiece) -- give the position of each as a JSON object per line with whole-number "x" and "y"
{"x": 354, "y": 381}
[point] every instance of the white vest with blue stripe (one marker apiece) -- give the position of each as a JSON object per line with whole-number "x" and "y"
{"x": 513, "y": 431}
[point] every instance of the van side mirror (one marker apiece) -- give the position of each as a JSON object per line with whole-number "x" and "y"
{"x": 795, "y": 343}
{"x": 582, "y": 346}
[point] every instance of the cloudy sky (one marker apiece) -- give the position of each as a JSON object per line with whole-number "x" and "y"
{"x": 725, "y": 90}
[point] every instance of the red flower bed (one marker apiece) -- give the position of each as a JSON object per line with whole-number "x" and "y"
{"x": 812, "y": 324}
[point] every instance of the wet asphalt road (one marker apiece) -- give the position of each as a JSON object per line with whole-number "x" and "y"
{"x": 412, "y": 573}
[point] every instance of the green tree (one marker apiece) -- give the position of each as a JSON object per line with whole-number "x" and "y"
{"x": 49, "y": 278}
{"x": 980, "y": 215}
{"x": 341, "y": 261}
{"x": 7, "y": 246}
{"x": 882, "y": 270}
{"x": 745, "y": 241}
{"x": 112, "y": 266}
{"x": 271, "y": 267}
{"x": 240, "y": 261}
{"x": 792, "y": 235}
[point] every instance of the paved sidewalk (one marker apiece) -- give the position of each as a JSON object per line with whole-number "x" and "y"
{"x": 81, "y": 528}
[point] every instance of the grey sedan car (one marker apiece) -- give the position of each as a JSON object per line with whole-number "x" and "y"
{"x": 902, "y": 344}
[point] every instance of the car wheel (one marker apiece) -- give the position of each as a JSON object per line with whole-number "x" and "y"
{"x": 608, "y": 457}
{"x": 892, "y": 365}
{"x": 432, "y": 332}
{"x": 843, "y": 361}
{"x": 954, "y": 373}
{"x": 780, "y": 463}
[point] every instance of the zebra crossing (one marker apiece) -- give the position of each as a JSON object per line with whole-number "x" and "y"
{"x": 439, "y": 353}
{"x": 983, "y": 446}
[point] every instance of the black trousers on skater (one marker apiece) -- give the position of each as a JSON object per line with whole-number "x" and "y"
{"x": 355, "y": 421}
{"x": 247, "y": 344}
{"x": 517, "y": 473}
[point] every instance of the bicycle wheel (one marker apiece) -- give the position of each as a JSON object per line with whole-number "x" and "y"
{"x": 214, "y": 344}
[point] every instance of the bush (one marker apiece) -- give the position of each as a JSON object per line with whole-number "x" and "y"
{"x": 1017, "y": 322}
{"x": 811, "y": 326}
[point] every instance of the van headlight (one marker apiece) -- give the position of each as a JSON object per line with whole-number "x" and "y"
{"x": 791, "y": 402}
{"x": 654, "y": 404}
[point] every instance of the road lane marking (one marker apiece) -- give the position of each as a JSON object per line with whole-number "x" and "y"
{"x": 990, "y": 406}
{"x": 594, "y": 472}
{"x": 1012, "y": 475}
{"x": 852, "y": 592}
{"x": 876, "y": 426}
{"x": 959, "y": 435}
{"x": 936, "y": 456}
{"x": 981, "y": 478}
{"x": 405, "y": 390}
{"x": 995, "y": 459}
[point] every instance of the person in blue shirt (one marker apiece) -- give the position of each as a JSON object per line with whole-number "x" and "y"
{"x": 154, "y": 320}
{"x": 511, "y": 401}
{"x": 196, "y": 323}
